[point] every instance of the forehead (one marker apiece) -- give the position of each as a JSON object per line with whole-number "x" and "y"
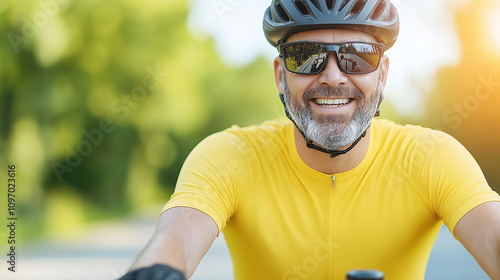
{"x": 331, "y": 36}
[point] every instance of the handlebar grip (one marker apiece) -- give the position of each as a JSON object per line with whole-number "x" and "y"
{"x": 365, "y": 275}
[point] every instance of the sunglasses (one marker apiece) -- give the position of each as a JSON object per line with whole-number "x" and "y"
{"x": 310, "y": 58}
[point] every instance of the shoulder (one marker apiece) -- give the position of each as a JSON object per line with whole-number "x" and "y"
{"x": 388, "y": 132}
{"x": 417, "y": 144}
{"x": 390, "y": 128}
{"x": 268, "y": 136}
{"x": 269, "y": 130}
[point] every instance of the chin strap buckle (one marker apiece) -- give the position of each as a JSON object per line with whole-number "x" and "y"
{"x": 332, "y": 153}
{"x": 310, "y": 143}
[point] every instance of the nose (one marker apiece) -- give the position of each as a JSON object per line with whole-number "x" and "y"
{"x": 332, "y": 75}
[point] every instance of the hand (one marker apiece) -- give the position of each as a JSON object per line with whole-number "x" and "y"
{"x": 155, "y": 272}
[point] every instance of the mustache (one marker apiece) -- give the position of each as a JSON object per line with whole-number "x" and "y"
{"x": 327, "y": 91}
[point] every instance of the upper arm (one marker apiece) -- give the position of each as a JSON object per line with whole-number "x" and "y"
{"x": 215, "y": 177}
{"x": 450, "y": 177}
{"x": 479, "y": 232}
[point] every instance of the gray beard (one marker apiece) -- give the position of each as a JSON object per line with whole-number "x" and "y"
{"x": 331, "y": 132}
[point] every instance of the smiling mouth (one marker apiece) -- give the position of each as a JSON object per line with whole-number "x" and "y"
{"x": 332, "y": 103}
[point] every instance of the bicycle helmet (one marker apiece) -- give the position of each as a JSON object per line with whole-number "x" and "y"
{"x": 378, "y": 18}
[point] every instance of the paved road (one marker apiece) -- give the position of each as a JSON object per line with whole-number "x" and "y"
{"x": 105, "y": 251}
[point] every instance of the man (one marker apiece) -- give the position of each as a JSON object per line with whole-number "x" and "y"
{"x": 315, "y": 66}
{"x": 333, "y": 189}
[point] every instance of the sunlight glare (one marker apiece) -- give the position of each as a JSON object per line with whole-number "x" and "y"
{"x": 493, "y": 26}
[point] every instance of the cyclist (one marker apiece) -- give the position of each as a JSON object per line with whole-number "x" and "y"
{"x": 331, "y": 189}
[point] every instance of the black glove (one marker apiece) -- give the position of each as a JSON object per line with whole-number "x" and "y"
{"x": 155, "y": 272}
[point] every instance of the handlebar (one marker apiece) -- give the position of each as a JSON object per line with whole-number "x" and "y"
{"x": 365, "y": 275}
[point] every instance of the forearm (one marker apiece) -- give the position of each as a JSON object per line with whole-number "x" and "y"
{"x": 181, "y": 239}
{"x": 493, "y": 264}
{"x": 163, "y": 250}
{"x": 490, "y": 258}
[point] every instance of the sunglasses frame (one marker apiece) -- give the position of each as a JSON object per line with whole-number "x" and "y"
{"x": 331, "y": 47}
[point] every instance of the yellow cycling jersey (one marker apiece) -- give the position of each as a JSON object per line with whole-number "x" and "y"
{"x": 283, "y": 220}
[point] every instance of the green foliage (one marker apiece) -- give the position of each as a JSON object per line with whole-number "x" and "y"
{"x": 101, "y": 101}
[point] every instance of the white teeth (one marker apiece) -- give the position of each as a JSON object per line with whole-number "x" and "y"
{"x": 331, "y": 103}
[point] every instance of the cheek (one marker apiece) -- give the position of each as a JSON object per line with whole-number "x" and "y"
{"x": 367, "y": 84}
{"x": 298, "y": 84}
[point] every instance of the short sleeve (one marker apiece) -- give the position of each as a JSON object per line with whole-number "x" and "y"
{"x": 455, "y": 181}
{"x": 212, "y": 177}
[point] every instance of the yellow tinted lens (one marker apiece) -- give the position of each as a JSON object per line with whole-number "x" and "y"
{"x": 305, "y": 58}
{"x": 359, "y": 58}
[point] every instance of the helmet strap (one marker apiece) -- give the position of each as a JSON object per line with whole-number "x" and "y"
{"x": 310, "y": 144}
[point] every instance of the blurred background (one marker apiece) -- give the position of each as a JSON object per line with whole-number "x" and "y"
{"x": 101, "y": 101}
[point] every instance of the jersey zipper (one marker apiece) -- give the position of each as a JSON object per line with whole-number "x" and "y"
{"x": 332, "y": 221}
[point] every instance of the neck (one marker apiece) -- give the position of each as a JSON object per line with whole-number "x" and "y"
{"x": 322, "y": 162}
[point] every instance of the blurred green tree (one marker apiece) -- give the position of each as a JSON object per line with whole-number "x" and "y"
{"x": 101, "y": 101}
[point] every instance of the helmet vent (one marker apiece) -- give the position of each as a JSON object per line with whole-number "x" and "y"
{"x": 329, "y": 4}
{"x": 303, "y": 9}
{"x": 356, "y": 9}
{"x": 342, "y": 4}
{"x": 377, "y": 12}
{"x": 280, "y": 12}
{"x": 393, "y": 15}
{"x": 316, "y": 4}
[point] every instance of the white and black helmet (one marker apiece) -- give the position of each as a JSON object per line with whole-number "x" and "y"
{"x": 378, "y": 18}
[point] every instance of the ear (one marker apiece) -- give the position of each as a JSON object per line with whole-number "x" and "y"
{"x": 278, "y": 73}
{"x": 384, "y": 70}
